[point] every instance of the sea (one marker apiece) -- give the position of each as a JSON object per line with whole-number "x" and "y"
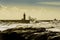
{"x": 49, "y": 26}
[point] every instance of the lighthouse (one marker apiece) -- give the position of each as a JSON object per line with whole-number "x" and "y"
{"x": 24, "y": 17}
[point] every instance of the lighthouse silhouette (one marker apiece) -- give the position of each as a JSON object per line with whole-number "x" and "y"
{"x": 24, "y": 16}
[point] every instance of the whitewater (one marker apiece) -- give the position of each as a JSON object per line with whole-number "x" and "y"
{"x": 5, "y": 26}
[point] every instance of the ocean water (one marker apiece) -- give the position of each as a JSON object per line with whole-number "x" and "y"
{"x": 5, "y": 26}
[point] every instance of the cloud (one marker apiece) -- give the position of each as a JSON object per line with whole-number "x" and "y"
{"x": 30, "y": 2}
{"x": 49, "y": 3}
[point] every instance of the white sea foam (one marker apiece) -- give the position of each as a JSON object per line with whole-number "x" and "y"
{"x": 4, "y": 26}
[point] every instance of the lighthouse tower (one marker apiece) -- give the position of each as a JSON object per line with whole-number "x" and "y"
{"x": 24, "y": 16}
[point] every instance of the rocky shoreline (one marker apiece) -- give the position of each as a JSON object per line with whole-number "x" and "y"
{"x": 29, "y": 34}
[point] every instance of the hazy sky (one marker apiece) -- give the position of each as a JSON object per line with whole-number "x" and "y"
{"x": 40, "y": 9}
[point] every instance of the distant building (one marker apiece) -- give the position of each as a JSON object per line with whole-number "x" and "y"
{"x": 31, "y": 20}
{"x": 24, "y": 16}
{"x": 20, "y": 21}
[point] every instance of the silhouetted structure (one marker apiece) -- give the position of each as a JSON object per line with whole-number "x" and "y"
{"x": 24, "y": 16}
{"x": 20, "y": 21}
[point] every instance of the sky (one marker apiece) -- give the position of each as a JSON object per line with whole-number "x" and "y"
{"x": 40, "y": 9}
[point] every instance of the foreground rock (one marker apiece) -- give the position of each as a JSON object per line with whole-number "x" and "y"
{"x": 30, "y": 34}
